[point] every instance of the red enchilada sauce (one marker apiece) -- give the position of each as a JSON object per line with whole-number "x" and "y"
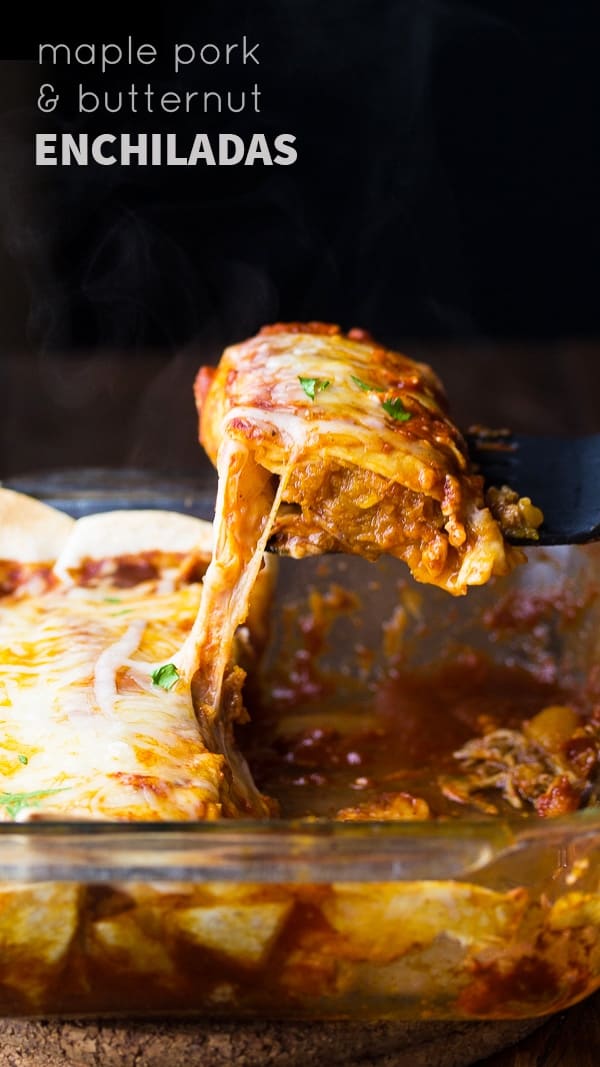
{"x": 467, "y": 735}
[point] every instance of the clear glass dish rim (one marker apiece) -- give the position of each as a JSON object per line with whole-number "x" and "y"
{"x": 515, "y": 826}
{"x": 304, "y": 852}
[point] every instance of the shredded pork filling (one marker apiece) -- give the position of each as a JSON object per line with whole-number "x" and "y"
{"x": 347, "y": 509}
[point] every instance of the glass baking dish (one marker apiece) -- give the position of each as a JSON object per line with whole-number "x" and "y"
{"x": 479, "y": 918}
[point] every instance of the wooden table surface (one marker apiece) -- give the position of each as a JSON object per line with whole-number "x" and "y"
{"x": 570, "y": 1039}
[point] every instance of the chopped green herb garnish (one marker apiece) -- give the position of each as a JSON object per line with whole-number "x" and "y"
{"x": 22, "y": 759}
{"x": 165, "y": 676}
{"x": 366, "y": 388}
{"x": 123, "y": 611}
{"x": 111, "y": 599}
{"x": 395, "y": 408}
{"x": 313, "y": 385}
{"x": 14, "y": 803}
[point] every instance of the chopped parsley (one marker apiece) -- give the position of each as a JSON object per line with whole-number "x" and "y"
{"x": 111, "y": 599}
{"x": 165, "y": 676}
{"x": 366, "y": 388}
{"x": 22, "y": 759}
{"x": 313, "y": 385}
{"x": 15, "y": 803}
{"x": 396, "y": 410}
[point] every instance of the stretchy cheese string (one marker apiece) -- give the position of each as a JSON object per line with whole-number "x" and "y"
{"x": 109, "y": 662}
{"x": 245, "y": 512}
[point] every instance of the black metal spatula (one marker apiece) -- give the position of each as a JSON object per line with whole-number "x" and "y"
{"x": 561, "y": 476}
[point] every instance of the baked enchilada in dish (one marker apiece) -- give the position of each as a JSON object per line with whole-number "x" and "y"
{"x": 319, "y": 918}
{"x": 125, "y": 639}
{"x": 91, "y": 725}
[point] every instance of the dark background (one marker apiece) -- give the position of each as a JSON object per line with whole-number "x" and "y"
{"x": 446, "y": 197}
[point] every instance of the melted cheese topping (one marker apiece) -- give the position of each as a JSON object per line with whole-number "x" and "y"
{"x": 257, "y": 395}
{"x": 83, "y": 730}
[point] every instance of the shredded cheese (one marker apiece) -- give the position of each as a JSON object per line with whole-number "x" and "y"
{"x": 131, "y": 751}
{"x": 109, "y": 662}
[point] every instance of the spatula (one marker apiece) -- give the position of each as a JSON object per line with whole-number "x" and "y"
{"x": 561, "y": 475}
